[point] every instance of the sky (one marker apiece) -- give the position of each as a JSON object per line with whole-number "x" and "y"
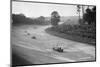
{"x": 43, "y": 9}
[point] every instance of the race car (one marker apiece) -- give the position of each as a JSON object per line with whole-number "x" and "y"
{"x": 58, "y": 49}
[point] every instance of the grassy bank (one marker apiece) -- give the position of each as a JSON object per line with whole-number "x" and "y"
{"x": 80, "y": 33}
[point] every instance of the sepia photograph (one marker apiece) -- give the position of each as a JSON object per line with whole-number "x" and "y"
{"x": 52, "y": 33}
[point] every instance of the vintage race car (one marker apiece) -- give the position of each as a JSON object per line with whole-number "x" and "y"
{"x": 58, "y": 49}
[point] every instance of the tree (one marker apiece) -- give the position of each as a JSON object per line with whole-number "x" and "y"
{"x": 78, "y": 10}
{"x": 55, "y": 18}
{"x": 94, "y": 14}
{"x": 41, "y": 19}
{"x": 18, "y": 18}
{"x": 90, "y": 16}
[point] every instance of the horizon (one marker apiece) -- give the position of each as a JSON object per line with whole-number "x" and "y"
{"x": 43, "y": 9}
{"x": 43, "y": 16}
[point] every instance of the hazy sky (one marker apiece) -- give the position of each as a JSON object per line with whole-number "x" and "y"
{"x": 42, "y": 9}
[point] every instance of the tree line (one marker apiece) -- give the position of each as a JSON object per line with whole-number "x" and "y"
{"x": 89, "y": 17}
{"x": 22, "y": 19}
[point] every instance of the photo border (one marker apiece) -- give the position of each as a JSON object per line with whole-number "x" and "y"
{"x": 46, "y": 3}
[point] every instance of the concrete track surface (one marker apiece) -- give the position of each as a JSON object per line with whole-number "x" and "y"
{"x": 38, "y": 50}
